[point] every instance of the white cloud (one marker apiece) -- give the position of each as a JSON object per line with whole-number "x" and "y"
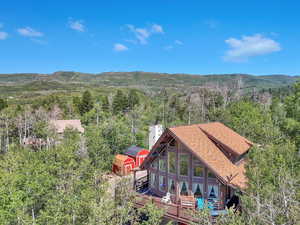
{"x": 3, "y": 35}
{"x": 157, "y": 29}
{"x": 29, "y": 32}
{"x": 242, "y": 49}
{"x": 177, "y": 42}
{"x": 120, "y": 48}
{"x": 142, "y": 34}
{"x": 77, "y": 25}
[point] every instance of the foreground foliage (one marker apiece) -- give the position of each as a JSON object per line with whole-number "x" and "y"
{"x": 63, "y": 181}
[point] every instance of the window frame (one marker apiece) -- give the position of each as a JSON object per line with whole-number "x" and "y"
{"x": 187, "y": 164}
{"x": 169, "y": 162}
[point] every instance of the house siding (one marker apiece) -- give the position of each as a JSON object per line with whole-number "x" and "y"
{"x": 179, "y": 151}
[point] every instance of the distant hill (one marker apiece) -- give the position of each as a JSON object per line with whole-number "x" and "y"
{"x": 72, "y": 80}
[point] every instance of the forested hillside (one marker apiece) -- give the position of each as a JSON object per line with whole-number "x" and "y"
{"x": 64, "y": 181}
{"x": 145, "y": 80}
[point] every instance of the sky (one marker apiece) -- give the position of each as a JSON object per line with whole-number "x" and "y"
{"x": 168, "y": 36}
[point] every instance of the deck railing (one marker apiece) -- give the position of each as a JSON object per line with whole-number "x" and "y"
{"x": 172, "y": 211}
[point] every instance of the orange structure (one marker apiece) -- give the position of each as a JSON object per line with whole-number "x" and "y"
{"x": 123, "y": 165}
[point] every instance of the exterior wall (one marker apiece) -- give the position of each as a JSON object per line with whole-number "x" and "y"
{"x": 125, "y": 168}
{"x": 191, "y": 181}
{"x": 154, "y": 133}
{"x": 141, "y": 157}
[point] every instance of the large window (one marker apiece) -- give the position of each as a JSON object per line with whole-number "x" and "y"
{"x": 162, "y": 164}
{"x": 184, "y": 188}
{"x": 172, "y": 162}
{"x": 152, "y": 179}
{"x": 184, "y": 164}
{"x": 210, "y": 175}
{"x": 154, "y": 164}
{"x": 172, "y": 187}
{"x": 198, "y": 190}
{"x": 162, "y": 183}
{"x": 213, "y": 191}
{"x": 198, "y": 169}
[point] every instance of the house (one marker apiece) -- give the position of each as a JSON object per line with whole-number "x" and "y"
{"x": 123, "y": 165}
{"x": 61, "y": 125}
{"x": 204, "y": 163}
{"x": 138, "y": 154}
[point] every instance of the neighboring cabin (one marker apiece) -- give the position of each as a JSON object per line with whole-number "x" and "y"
{"x": 202, "y": 161}
{"x": 61, "y": 125}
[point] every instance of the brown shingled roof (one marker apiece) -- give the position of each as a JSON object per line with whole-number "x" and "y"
{"x": 227, "y": 137}
{"x": 196, "y": 139}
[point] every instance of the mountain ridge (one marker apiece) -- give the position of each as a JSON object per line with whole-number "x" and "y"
{"x": 147, "y": 79}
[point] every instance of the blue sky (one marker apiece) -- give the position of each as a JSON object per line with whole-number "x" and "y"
{"x": 172, "y": 36}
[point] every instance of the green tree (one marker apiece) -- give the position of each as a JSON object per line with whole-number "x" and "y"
{"x": 151, "y": 215}
{"x": 3, "y": 104}
{"x": 133, "y": 99}
{"x": 272, "y": 195}
{"x": 105, "y": 104}
{"x": 86, "y": 103}
{"x": 120, "y": 102}
{"x": 292, "y": 123}
{"x": 251, "y": 121}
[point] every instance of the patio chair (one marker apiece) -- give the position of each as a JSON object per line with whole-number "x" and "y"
{"x": 166, "y": 198}
{"x": 187, "y": 201}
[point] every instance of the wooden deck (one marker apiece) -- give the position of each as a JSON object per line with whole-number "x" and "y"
{"x": 172, "y": 211}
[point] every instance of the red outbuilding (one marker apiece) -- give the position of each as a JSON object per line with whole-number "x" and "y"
{"x": 123, "y": 165}
{"x": 138, "y": 154}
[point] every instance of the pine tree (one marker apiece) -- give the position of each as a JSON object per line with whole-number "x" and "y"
{"x": 120, "y": 103}
{"x": 133, "y": 99}
{"x": 86, "y": 103}
{"x": 105, "y": 104}
{"x": 3, "y": 104}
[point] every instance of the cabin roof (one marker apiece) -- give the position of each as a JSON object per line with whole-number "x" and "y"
{"x": 120, "y": 159}
{"x": 61, "y": 125}
{"x": 133, "y": 150}
{"x": 227, "y": 137}
{"x": 198, "y": 140}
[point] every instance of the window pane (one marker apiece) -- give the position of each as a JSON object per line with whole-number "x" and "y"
{"x": 183, "y": 188}
{"x": 154, "y": 164}
{"x": 198, "y": 171}
{"x": 213, "y": 191}
{"x": 162, "y": 164}
{"x": 198, "y": 190}
{"x": 162, "y": 183}
{"x": 172, "y": 186}
{"x": 152, "y": 179}
{"x": 172, "y": 162}
{"x": 184, "y": 165}
{"x": 211, "y": 175}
